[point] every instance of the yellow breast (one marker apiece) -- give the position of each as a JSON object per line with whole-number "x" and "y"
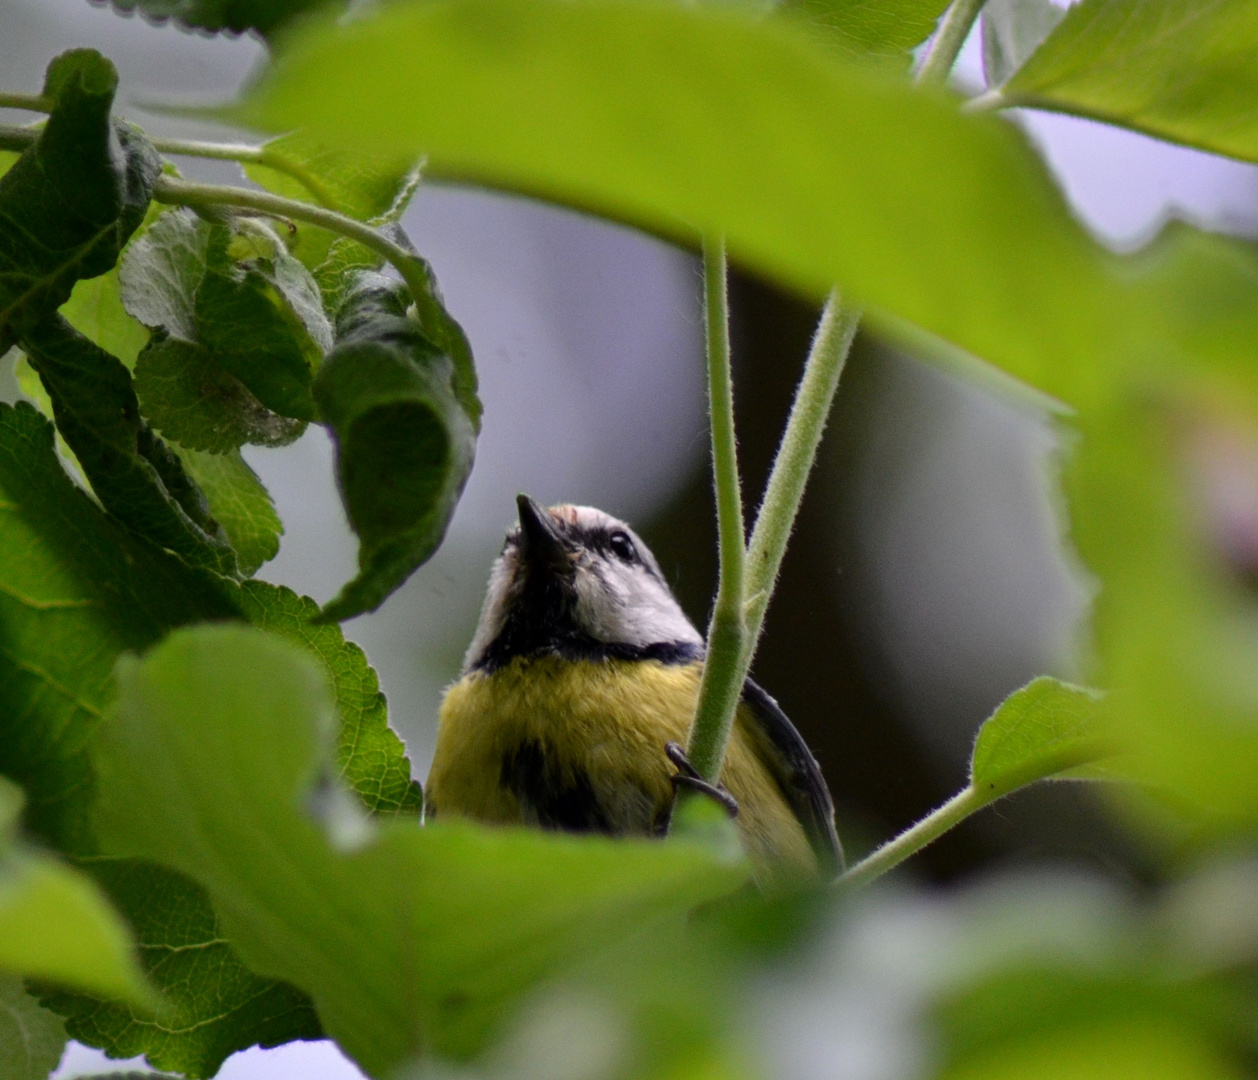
{"x": 592, "y": 733}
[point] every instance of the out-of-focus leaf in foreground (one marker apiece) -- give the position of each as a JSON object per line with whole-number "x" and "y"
{"x": 815, "y": 170}
{"x": 55, "y": 923}
{"x": 404, "y": 443}
{"x": 76, "y": 591}
{"x": 410, "y": 938}
{"x": 1183, "y": 70}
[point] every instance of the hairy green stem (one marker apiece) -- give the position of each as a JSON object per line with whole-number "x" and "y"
{"x": 795, "y": 458}
{"x": 177, "y": 192}
{"x": 721, "y": 685}
{"x": 945, "y": 46}
{"x": 912, "y": 840}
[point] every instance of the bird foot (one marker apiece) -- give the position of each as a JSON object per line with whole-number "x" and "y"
{"x": 688, "y": 776}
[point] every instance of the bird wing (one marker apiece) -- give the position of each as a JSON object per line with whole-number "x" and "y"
{"x": 788, "y": 758}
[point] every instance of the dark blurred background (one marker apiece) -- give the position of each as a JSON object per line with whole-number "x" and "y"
{"x": 927, "y": 578}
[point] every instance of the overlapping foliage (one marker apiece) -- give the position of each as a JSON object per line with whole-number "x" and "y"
{"x": 231, "y": 852}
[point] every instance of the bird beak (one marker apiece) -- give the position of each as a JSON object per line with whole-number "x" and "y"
{"x": 541, "y": 546}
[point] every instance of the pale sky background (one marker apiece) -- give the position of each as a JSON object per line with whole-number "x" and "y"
{"x": 587, "y": 339}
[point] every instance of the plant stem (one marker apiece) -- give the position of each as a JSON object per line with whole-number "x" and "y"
{"x": 32, "y": 102}
{"x": 722, "y": 681}
{"x": 177, "y": 192}
{"x": 794, "y": 461}
{"x": 945, "y": 46}
{"x": 911, "y": 841}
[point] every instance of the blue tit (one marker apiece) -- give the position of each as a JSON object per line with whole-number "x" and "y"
{"x": 582, "y": 670}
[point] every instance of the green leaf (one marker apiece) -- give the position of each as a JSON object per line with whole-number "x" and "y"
{"x": 371, "y": 758}
{"x": 226, "y": 730}
{"x": 1012, "y": 31}
{"x": 95, "y": 310}
{"x": 253, "y": 308}
{"x": 71, "y": 201}
{"x": 55, "y": 924}
{"x": 359, "y": 185}
{"x": 889, "y": 29}
{"x": 404, "y": 444}
{"x": 213, "y": 1004}
{"x": 191, "y": 398}
{"x": 239, "y": 503}
{"x": 32, "y": 1039}
{"x": 234, "y": 16}
{"x": 1153, "y": 490}
{"x": 136, "y": 476}
{"x": 816, "y": 171}
{"x": 1183, "y": 70}
{"x": 1042, "y": 730}
{"x": 76, "y": 591}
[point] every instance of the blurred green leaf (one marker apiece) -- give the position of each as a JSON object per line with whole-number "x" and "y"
{"x": 359, "y": 185}
{"x": 76, "y": 591}
{"x": 234, "y": 16}
{"x": 400, "y": 941}
{"x": 1046, "y": 728}
{"x": 213, "y": 1005}
{"x": 1183, "y": 70}
{"x": 240, "y": 504}
{"x": 1153, "y": 489}
{"x": 32, "y": 1039}
{"x": 56, "y": 925}
{"x": 404, "y": 444}
{"x": 816, "y": 171}
{"x": 95, "y": 310}
{"x": 71, "y": 201}
{"x": 1012, "y": 31}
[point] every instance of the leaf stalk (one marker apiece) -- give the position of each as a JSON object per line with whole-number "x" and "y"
{"x": 176, "y": 192}
{"x": 721, "y": 684}
{"x": 945, "y": 46}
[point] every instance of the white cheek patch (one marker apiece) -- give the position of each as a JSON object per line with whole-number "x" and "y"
{"x": 626, "y": 605}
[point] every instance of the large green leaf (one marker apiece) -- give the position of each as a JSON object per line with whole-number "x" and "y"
{"x": 55, "y": 925}
{"x": 1184, "y": 70}
{"x": 404, "y": 444}
{"x": 690, "y": 119}
{"x": 32, "y": 1039}
{"x": 409, "y": 938}
{"x": 76, "y": 591}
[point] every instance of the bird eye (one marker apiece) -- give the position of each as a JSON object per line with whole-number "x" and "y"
{"x": 622, "y": 547}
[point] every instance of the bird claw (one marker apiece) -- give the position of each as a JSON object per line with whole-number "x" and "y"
{"x": 688, "y": 776}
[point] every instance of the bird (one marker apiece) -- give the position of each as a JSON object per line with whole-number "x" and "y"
{"x": 578, "y": 690}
